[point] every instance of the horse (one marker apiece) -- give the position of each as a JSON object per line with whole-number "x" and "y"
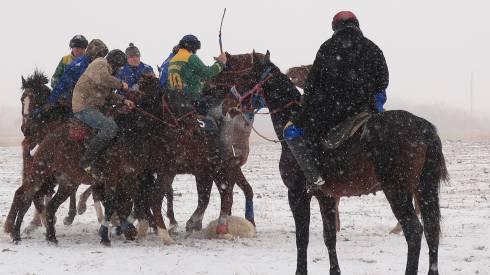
{"x": 36, "y": 124}
{"x": 234, "y": 135}
{"x": 395, "y": 152}
{"x": 51, "y": 165}
{"x": 298, "y": 76}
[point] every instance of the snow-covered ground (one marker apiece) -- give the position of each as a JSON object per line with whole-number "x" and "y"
{"x": 364, "y": 244}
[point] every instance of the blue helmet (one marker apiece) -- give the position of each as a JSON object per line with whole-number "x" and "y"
{"x": 190, "y": 42}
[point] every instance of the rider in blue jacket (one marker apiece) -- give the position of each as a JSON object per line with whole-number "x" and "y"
{"x": 134, "y": 69}
{"x": 62, "y": 92}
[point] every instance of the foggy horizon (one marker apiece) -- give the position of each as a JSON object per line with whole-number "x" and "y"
{"x": 432, "y": 48}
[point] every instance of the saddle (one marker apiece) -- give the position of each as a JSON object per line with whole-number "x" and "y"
{"x": 78, "y": 131}
{"x": 346, "y": 129}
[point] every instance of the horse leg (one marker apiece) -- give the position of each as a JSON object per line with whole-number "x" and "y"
{"x": 299, "y": 202}
{"x": 225, "y": 183}
{"x": 242, "y": 182}
{"x": 401, "y": 204}
{"x": 124, "y": 207}
{"x": 204, "y": 183}
{"x": 337, "y": 218}
{"x": 428, "y": 200}
{"x": 21, "y": 203}
{"x": 169, "y": 193}
{"x": 82, "y": 202}
{"x": 398, "y": 227}
{"x": 9, "y": 223}
{"x": 72, "y": 212}
{"x": 157, "y": 213}
{"x": 328, "y": 209}
{"x": 39, "y": 215}
{"x": 65, "y": 189}
{"x": 109, "y": 210}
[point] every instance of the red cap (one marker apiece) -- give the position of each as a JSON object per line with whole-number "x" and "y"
{"x": 344, "y": 16}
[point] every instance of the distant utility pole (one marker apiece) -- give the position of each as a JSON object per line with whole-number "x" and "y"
{"x": 471, "y": 94}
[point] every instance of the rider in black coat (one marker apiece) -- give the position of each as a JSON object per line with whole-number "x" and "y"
{"x": 348, "y": 71}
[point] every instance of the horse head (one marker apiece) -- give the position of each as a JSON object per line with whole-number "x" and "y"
{"x": 265, "y": 80}
{"x": 34, "y": 96}
{"x": 298, "y": 75}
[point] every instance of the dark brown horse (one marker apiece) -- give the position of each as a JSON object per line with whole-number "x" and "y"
{"x": 396, "y": 152}
{"x": 234, "y": 134}
{"x": 167, "y": 151}
{"x": 298, "y": 76}
{"x": 234, "y": 140}
{"x": 36, "y": 124}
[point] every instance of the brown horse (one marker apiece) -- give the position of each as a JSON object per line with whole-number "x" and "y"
{"x": 167, "y": 151}
{"x": 234, "y": 134}
{"x": 396, "y": 152}
{"x": 36, "y": 124}
{"x": 298, "y": 76}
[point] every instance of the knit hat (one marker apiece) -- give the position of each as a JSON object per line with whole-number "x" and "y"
{"x": 132, "y": 50}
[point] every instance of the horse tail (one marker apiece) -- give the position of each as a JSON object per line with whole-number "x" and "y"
{"x": 433, "y": 173}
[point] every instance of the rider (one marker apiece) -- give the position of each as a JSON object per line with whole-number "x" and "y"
{"x": 348, "y": 72}
{"x": 132, "y": 71}
{"x": 187, "y": 73}
{"x": 62, "y": 92}
{"x": 78, "y": 44}
{"x": 91, "y": 93}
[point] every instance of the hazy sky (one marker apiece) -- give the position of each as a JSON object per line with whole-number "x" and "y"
{"x": 431, "y": 47}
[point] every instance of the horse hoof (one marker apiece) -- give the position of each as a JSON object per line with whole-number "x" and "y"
{"x": 52, "y": 240}
{"x": 81, "y": 209}
{"x": 173, "y": 227}
{"x": 118, "y": 230}
{"x": 335, "y": 271}
{"x": 67, "y": 221}
{"x": 16, "y": 239}
{"x": 106, "y": 243}
{"x": 190, "y": 227}
{"x": 131, "y": 233}
{"x": 165, "y": 237}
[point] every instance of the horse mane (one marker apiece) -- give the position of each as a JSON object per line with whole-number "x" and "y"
{"x": 34, "y": 81}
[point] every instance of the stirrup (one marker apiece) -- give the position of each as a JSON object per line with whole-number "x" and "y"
{"x": 315, "y": 186}
{"x": 93, "y": 171}
{"x": 319, "y": 182}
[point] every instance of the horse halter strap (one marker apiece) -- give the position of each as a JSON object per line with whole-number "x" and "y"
{"x": 254, "y": 94}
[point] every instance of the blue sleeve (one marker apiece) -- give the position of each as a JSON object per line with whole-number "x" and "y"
{"x": 164, "y": 70}
{"x": 121, "y": 75}
{"x": 148, "y": 70}
{"x": 63, "y": 87}
{"x": 380, "y": 99}
{"x": 68, "y": 80}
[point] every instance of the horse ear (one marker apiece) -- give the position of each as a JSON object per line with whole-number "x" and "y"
{"x": 23, "y": 81}
{"x": 267, "y": 57}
